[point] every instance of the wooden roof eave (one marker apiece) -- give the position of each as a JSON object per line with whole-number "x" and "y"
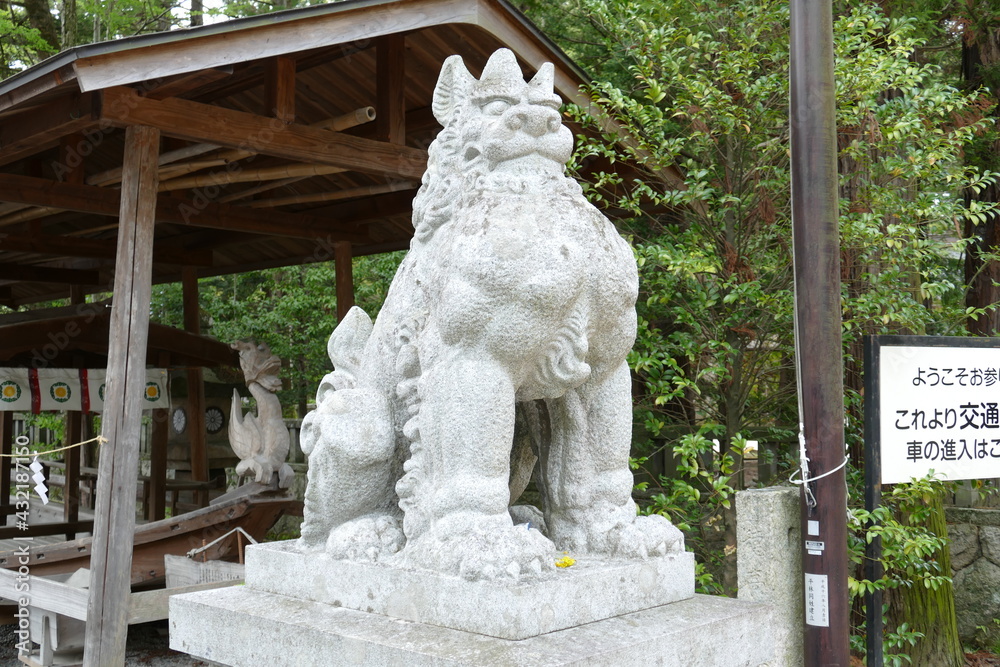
{"x": 151, "y": 58}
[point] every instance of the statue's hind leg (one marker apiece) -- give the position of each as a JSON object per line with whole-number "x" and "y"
{"x": 586, "y": 480}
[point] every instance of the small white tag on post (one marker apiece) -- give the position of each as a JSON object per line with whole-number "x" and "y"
{"x": 817, "y": 601}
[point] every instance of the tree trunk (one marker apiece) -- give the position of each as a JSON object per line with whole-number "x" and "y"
{"x": 735, "y": 401}
{"x": 930, "y": 611}
{"x": 982, "y": 274}
{"x": 40, "y": 18}
{"x": 69, "y": 23}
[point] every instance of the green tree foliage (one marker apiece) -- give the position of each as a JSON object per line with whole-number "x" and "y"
{"x": 965, "y": 38}
{"x": 21, "y": 43}
{"x": 238, "y": 8}
{"x": 706, "y": 117}
{"x": 32, "y": 30}
{"x": 704, "y": 113}
{"x": 292, "y": 309}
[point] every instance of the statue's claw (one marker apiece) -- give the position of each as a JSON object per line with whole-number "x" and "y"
{"x": 368, "y": 538}
{"x": 486, "y": 552}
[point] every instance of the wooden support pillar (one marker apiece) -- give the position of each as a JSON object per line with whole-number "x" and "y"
{"x": 390, "y": 82}
{"x": 114, "y": 516}
{"x": 88, "y": 455}
{"x": 196, "y": 388}
{"x": 157, "y": 502}
{"x": 279, "y": 89}
{"x": 6, "y": 463}
{"x": 74, "y": 434}
{"x": 343, "y": 260}
{"x": 71, "y": 489}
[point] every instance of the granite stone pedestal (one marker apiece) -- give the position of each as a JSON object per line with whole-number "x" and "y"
{"x": 298, "y": 609}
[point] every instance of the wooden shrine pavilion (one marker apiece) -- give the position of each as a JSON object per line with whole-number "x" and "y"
{"x": 268, "y": 141}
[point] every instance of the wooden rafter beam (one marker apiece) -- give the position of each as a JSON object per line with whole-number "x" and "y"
{"x": 224, "y": 177}
{"x": 417, "y": 121}
{"x": 279, "y": 88}
{"x": 178, "y": 85}
{"x": 183, "y": 211}
{"x": 268, "y": 136}
{"x": 72, "y": 170}
{"x": 37, "y": 130}
{"x": 66, "y": 246}
{"x": 203, "y": 239}
{"x": 38, "y": 86}
{"x": 189, "y": 346}
{"x": 53, "y": 312}
{"x": 361, "y": 211}
{"x": 90, "y": 333}
{"x": 27, "y": 336}
{"x": 47, "y": 274}
{"x": 52, "y": 194}
{"x": 252, "y": 74}
{"x": 177, "y": 210}
{"x": 326, "y": 254}
{"x": 334, "y": 195}
{"x": 323, "y": 251}
{"x": 390, "y": 81}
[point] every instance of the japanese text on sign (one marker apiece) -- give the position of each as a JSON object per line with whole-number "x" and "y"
{"x": 940, "y": 412}
{"x": 817, "y": 600}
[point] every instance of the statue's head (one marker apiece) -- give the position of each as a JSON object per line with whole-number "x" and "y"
{"x": 501, "y": 134}
{"x": 501, "y": 119}
{"x": 258, "y": 364}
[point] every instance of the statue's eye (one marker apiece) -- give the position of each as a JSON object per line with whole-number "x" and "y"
{"x": 495, "y": 107}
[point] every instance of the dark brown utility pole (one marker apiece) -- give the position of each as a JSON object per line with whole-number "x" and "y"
{"x": 818, "y": 321}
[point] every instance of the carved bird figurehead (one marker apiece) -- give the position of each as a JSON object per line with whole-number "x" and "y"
{"x": 259, "y": 365}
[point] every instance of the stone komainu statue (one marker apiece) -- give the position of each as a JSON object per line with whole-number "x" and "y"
{"x": 500, "y": 351}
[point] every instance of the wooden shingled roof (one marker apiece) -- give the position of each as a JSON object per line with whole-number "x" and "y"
{"x": 263, "y": 160}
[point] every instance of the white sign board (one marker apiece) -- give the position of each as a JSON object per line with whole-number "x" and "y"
{"x": 939, "y": 412}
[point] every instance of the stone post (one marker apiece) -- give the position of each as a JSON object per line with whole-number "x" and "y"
{"x": 769, "y": 564}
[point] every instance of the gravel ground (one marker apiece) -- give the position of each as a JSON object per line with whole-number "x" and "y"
{"x": 147, "y": 646}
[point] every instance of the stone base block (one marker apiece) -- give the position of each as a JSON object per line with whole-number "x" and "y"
{"x": 591, "y": 590}
{"x": 243, "y": 627}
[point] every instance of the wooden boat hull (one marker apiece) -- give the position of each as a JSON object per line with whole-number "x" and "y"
{"x": 176, "y": 535}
